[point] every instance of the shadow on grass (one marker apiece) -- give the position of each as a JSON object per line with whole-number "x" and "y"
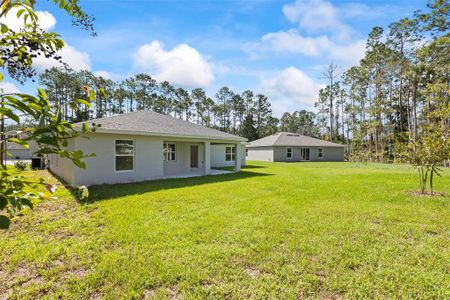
{"x": 231, "y": 168}
{"x": 112, "y": 191}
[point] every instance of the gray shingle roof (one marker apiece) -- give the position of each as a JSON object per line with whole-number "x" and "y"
{"x": 152, "y": 123}
{"x": 290, "y": 139}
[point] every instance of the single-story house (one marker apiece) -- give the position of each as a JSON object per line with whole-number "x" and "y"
{"x": 146, "y": 145}
{"x": 17, "y": 151}
{"x": 293, "y": 147}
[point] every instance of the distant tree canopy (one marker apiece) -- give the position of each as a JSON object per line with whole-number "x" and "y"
{"x": 375, "y": 108}
{"x": 396, "y": 94}
{"x": 227, "y": 111}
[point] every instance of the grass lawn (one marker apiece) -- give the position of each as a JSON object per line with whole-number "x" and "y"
{"x": 275, "y": 230}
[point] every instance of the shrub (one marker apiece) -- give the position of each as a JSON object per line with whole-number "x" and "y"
{"x": 21, "y": 165}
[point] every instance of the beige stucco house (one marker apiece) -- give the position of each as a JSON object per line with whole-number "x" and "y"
{"x": 146, "y": 145}
{"x": 293, "y": 147}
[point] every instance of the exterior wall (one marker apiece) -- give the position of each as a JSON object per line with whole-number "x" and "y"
{"x": 148, "y": 159}
{"x": 329, "y": 154}
{"x": 260, "y": 153}
{"x": 18, "y": 154}
{"x": 182, "y": 163}
{"x": 63, "y": 167}
{"x": 218, "y": 155}
{"x": 279, "y": 154}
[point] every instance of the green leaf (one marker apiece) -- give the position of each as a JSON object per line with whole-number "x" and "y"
{"x": 92, "y": 95}
{"x": 20, "y": 12}
{"x": 27, "y": 202}
{"x": 102, "y": 90}
{"x": 85, "y": 127}
{"x": 84, "y": 102}
{"x": 3, "y": 201}
{"x": 3, "y": 28}
{"x": 82, "y": 193}
{"x": 4, "y": 222}
{"x": 42, "y": 94}
{"x": 10, "y": 114}
{"x": 80, "y": 164}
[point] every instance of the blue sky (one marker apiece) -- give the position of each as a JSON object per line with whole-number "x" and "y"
{"x": 278, "y": 48}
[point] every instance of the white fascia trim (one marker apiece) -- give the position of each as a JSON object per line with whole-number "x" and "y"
{"x": 197, "y": 137}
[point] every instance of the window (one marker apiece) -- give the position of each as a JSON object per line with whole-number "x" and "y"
{"x": 170, "y": 152}
{"x": 230, "y": 153}
{"x": 124, "y": 155}
{"x": 320, "y": 153}
{"x": 246, "y": 152}
{"x": 289, "y": 153}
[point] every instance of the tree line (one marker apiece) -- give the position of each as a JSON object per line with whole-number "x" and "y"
{"x": 397, "y": 95}
{"x": 247, "y": 114}
{"x": 379, "y": 109}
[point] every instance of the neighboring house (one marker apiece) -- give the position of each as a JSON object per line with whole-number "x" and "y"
{"x": 145, "y": 145}
{"x": 16, "y": 151}
{"x": 285, "y": 146}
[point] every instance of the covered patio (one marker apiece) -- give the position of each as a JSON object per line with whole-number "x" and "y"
{"x": 190, "y": 158}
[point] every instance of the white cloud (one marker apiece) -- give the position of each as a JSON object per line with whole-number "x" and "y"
{"x": 290, "y": 87}
{"x": 183, "y": 65}
{"x": 348, "y": 55}
{"x": 76, "y": 59}
{"x": 312, "y": 14}
{"x": 8, "y": 88}
{"x": 317, "y": 16}
{"x": 345, "y": 54}
{"x": 106, "y": 75}
{"x": 293, "y": 42}
{"x": 363, "y": 11}
{"x": 46, "y": 20}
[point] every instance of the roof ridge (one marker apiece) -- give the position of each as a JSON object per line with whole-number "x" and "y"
{"x": 279, "y": 135}
{"x": 113, "y": 116}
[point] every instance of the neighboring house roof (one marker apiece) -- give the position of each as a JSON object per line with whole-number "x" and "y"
{"x": 146, "y": 122}
{"x": 290, "y": 139}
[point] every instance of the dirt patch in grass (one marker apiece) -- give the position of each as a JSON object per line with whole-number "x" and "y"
{"x": 149, "y": 294}
{"x": 427, "y": 194}
{"x": 43, "y": 245}
{"x": 330, "y": 296}
{"x": 252, "y": 272}
{"x": 22, "y": 277}
{"x": 173, "y": 293}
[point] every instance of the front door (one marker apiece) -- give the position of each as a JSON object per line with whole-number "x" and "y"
{"x": 304, "y": 153}
{"x": 194, "y": 156}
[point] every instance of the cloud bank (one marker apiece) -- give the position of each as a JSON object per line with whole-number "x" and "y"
{"x": 182, "y": 65}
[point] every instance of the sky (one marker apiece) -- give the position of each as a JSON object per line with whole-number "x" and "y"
{"x": 278, "y": 48}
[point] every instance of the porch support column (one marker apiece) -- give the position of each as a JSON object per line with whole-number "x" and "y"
{"x": 207, "y": 158}
{"x": 237, "y": 157}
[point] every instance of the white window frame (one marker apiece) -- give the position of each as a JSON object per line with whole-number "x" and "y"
{"x": 231, "y": 153}
{"x": 116, "y": 155}
{"x": 319, "y": 153}
{"x": 246, "y": 152}
{"x": 289, "y": 151}
{"x": 167, "y": 151}
{"x": 303, "y": 149}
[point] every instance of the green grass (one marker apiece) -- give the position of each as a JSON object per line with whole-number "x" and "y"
{"x": 275, "y": 230}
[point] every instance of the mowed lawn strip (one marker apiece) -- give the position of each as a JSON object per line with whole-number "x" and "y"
{"x": 280, "y": 230}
